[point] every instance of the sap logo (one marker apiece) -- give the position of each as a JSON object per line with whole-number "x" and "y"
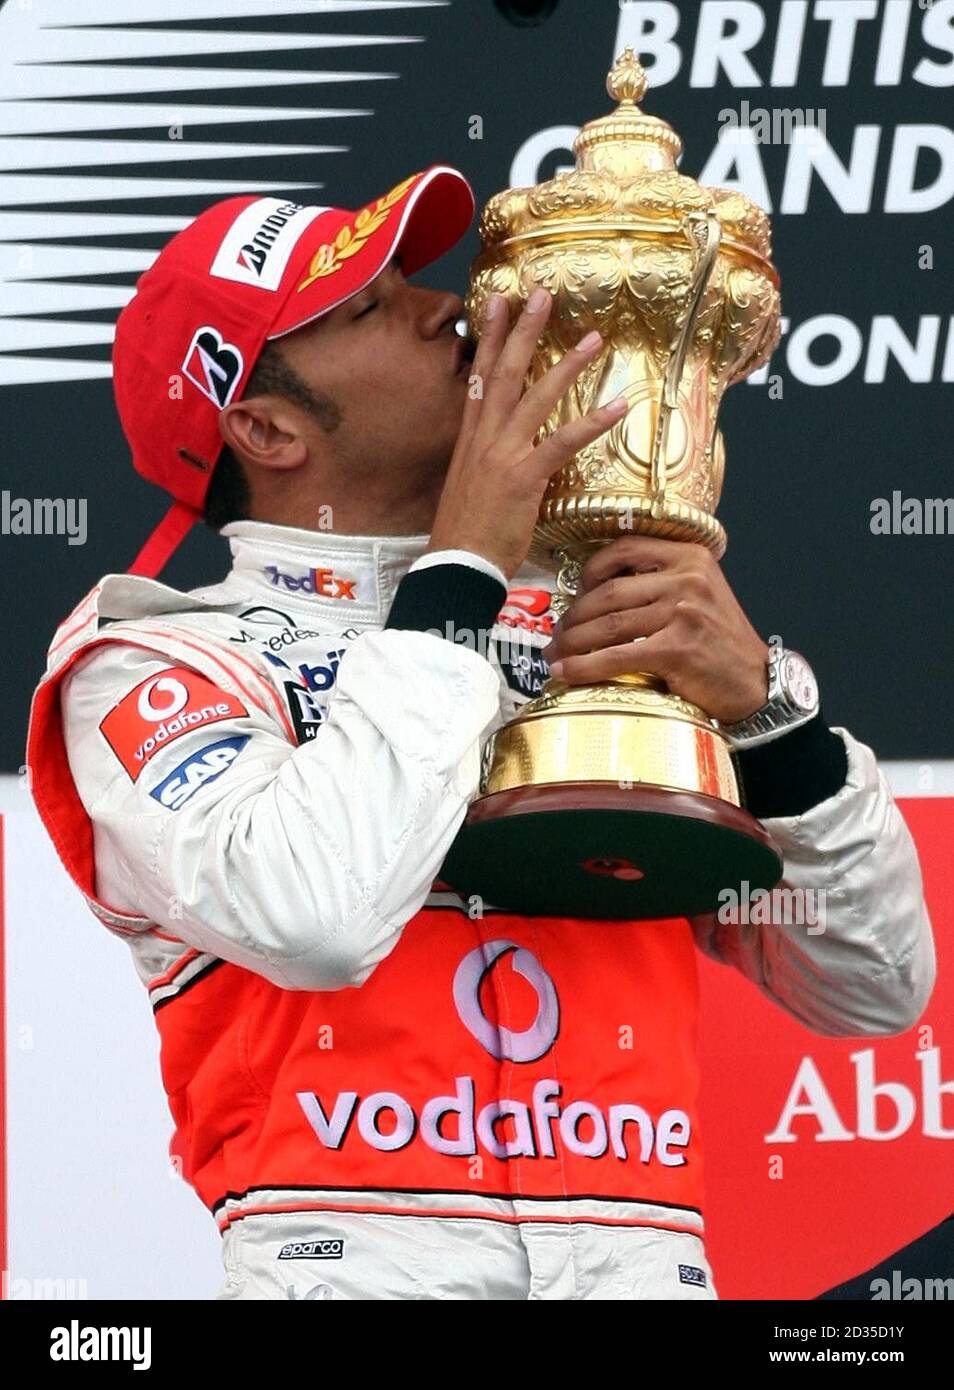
{"x": 210, "y": 762}
{"x": 324, "y": 583}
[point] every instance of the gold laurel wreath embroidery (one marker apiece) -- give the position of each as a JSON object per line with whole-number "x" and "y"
{"x": 349, "y": 241}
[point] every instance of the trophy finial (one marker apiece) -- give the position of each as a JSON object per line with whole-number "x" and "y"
{"x": 626, "y": 141}
{"x": 627, "y": 78}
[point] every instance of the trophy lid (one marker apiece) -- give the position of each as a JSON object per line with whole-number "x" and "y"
{"x": 627, "y": 141}
{"x": 625, "y": 182}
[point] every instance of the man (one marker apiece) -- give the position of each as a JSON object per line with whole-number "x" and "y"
{"x": 378, "y": 1091}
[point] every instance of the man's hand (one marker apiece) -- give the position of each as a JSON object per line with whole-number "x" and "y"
{"x": 674, "y": 596}
{"x": 498, "y": 475}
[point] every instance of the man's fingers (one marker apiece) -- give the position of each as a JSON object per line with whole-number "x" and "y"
{"x": 502, "y": 380}
{"x": 493, "y": 335}
{"x": 610, "y": 630}
{"x": 651, "y": 657}
{"x": 618, "y": 594}
{"x": 641, "y": 554}
{"x": 558, "y": 448}
{"x": 538, "y": 402}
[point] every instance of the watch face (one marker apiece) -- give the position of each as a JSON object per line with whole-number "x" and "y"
{"x": 799, "y": 681}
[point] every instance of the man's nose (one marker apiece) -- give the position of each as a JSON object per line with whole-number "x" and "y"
{"x": 438, "y": 310}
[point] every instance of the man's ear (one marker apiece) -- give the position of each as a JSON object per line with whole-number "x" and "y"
{"x": 263, "y": 431}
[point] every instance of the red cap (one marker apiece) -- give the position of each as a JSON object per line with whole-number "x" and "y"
{"x": 247, "y": 270}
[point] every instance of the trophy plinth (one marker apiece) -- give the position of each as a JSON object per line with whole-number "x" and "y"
{"x": 620, "y": 799}
{"x": 616, "y": 800}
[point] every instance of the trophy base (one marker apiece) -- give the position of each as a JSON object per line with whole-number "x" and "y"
{"x": 595, "y": 849}
{"x": 618, "y": 800}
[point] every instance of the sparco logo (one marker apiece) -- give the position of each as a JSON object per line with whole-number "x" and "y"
{"x": 313, "y": 1250}
{"x": 500, "y": 1042}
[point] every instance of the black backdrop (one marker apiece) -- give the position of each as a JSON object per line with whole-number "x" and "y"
{"x": 872, "y": 612}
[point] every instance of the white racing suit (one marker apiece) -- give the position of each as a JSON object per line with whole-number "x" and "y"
{"x": 379, "y": 1089}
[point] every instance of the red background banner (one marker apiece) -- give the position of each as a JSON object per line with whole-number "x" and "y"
{"x": 791, "y": 1219}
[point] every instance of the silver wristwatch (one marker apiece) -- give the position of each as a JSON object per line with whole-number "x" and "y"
{"x": 792, "y": 701}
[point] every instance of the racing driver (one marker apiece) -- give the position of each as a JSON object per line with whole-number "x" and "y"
{"x": 378, "y": 1089}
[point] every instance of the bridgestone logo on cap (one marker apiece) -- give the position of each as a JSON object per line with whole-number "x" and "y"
{"x": 256, "y": 248}
{"x": 313, "y": 1250}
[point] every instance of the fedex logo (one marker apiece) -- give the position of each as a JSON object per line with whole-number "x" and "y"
{"x": 324, "y": 583}
{"x": 160, "y": 710}
{"x": 210, "y": 762}
{"x": 528, "y": 608}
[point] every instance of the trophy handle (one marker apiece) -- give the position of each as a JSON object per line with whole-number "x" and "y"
{"x": 703, "y": 231}
{"x": 569, "y": 568}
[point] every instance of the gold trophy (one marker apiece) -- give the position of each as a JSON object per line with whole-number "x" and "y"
{"x": 620, "y": 800}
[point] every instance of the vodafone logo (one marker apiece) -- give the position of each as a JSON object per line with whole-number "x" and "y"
{"x": 160, "y": 710}
{"x": 504, "y": 1043}
{"x": 177, "y": 695}
{"x": 541, "y": 1123}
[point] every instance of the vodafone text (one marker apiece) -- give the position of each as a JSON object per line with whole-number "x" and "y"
{"x": 533, "y": 1134}
{"x": 162, "y": 709}
{"x": 208, "y": 714}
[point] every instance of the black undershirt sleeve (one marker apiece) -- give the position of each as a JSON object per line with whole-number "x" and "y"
{"x": 786, "y": 777}
{"x": 449, "y": 599}
{"x": 795, "y": 772}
